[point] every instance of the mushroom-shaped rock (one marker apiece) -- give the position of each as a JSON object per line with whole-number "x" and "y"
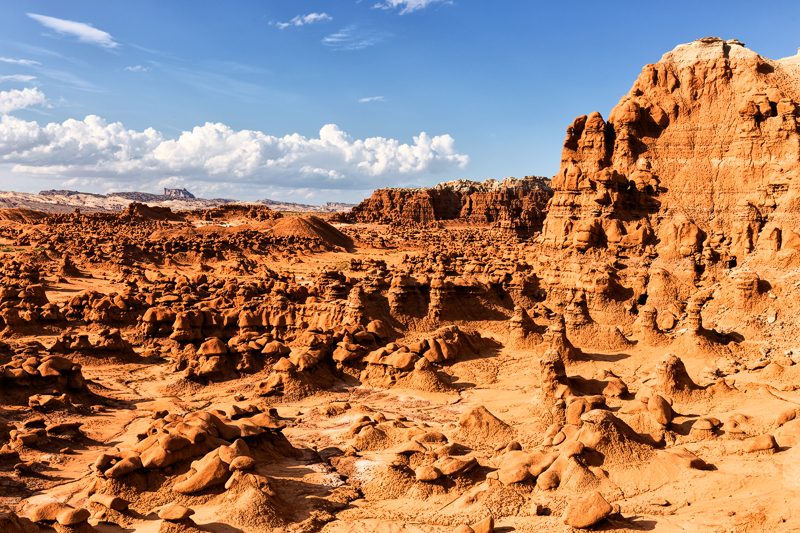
{"x": 585, "y": 511}
{"x": 762, "y": 444}
{"x": 213, "y": 346}
{"x": 703, "y": 428}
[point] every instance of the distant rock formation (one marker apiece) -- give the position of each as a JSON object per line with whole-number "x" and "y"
{"x": 177, "y": 193}
{"x": 513, "y": 204}
{"x": 66, "y": 201}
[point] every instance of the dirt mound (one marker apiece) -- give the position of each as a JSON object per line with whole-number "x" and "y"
{"x": 312, "y": 227}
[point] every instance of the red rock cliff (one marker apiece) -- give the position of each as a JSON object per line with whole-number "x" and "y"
{"x": 700, "y": 158}
{"x": 512, "y": 204}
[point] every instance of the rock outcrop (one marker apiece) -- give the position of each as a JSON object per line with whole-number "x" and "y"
{"x": 697, "y": 160}
{"x": 514, "y": 205}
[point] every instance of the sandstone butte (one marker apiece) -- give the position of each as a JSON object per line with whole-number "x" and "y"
{"x": 615, "y": 348}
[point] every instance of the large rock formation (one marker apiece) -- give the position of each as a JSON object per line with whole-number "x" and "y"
{"x": 512, "y": 204}
{"x": 698, "y": 158}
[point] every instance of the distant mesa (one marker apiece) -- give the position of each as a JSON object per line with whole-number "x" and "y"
{"x": 65, "y": 201}
{"x": 177, "y": 193}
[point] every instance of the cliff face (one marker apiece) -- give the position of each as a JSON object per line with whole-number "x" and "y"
{"x": 699, "y": 158}
{"x": 516, "y": 205}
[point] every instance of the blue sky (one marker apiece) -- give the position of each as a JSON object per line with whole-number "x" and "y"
{"x": 315, "y": 101}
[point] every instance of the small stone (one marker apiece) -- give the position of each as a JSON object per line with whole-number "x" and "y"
{"x": 242, "y": 462}
{"x": 772, "y": 316}
{"x": 109, "y": 501}
{"x": 484, "y": 526}
{"x": 427, "y": 473}
{"x": 175, "y": 512}
{"x": 24, "y": 467}
{"x": 586, "y": 511}
{"x": 73, "y": 517}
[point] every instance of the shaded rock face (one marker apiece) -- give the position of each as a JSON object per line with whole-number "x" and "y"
{"x": 698, "y": 157}
{"x": 516, "y": 205}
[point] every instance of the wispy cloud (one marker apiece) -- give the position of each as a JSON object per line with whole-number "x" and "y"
{"x": 17, "y": 77}
{"x": 373, "y": 99}
{"x": 354, "y": 38}
{"x": 84, "y": 32}
{"x": 137, "y": 68}
{"x": 14, "y": 100}
{"x": 58, "y": 75}
{"x": 302, "y": 20}
{"x": 69, "y": 79}
{"x": 26, "y": 62}
{"x": 408, "y": 6}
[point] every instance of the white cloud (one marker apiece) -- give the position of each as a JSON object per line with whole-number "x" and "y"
{"x": 27, "y": 62}
{"x": 353, "y": 38}
{"x": 14, "y": 100}
{"x": 302, "y": 20}
{"x": 17, "y": 77}
{"x": 216, "y": 157}
{"x": 137, "y": 68}
{"x": 408, "y": 6}
{"x": 84, "y": 32}
{"x": 373, "y": 99}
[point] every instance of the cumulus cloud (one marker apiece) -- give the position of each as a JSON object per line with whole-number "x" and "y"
{"x": 14, "y": 100}
{"x": 137, "y": 68}
{"x": 84, "y": 32}
{"x": 214, "y": 155}
{"x": 372, "y": 99}
{"x": 353, "y": 38}
{"x": 302, "y": 20}
{"x": 408, "y": 6}
{"x": 26, "y": 62}
{"x": 17, "y": 77}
